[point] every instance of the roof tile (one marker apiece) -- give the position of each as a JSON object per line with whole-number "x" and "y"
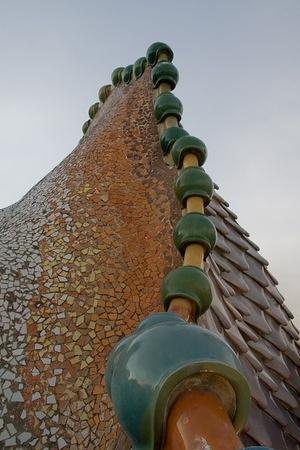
{"x": 220, "y": 198}
{"x": 293, "y": 353}
{"x": 292, "y": 330}
{"x": 285, "y": 396}
{"x": 210, "y": 211}
{"x": 219, "y": 209}
{"x": 240, "y": 304}
{"x": 294, "y": 379}
{"x": 268, "y": 380}
{"x": 237, "y": 338}
{"x": 221, "y": 244}
{"x": 256, "y": 293}
{"x": 220, "y": 225}
{"x": 221, "y": 312}
{"x": 274, "y": 409}
{"x": 236, "y": 314}
{"x": 235, "y": 278}
{"x": 253, "y": 360}
{"x": 237, "y": 257}
{"x": 274, "y": 292}
{"x": 273, "y": 279}
{"x": 238, "y": 240}
{"x": 255, "y": 246}
{"x": 278, "y": 364}
{"x": 221, "y": 262}
{"x": 257, "y": 320}
{"x": 277, "y": 336}
{"x": 225, "y": 288}
{"x": 274, "y": 432}
{"x": 236, "y": 226}
{"x": 254, "y": 383}
{"x": 261, "y": 348}
{"x": 254, "y": 253}
{"x": 257, "y": 426}
{"x": 293, "y": 430}
{"x": 276, "y": 311}
{"x": 256, "y": 271}
{"x": 246, "y": 330}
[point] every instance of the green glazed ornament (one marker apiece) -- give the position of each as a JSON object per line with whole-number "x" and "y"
{"x": 127, "y": 74}
{"x": 169, "y": 136}
{"x": 146, "y": 367}
{"x": 188, "y": 282}
{"x": 116, "y": 76}
{"x": 188, "y": 144}
{"x": 164, "y": 72}
{"x": 104, "y": 92}
{"x": 139, "y": 67}
{"x": 194, "y": 228}
{"x": 166, "y": 104}
{"x": 93, "y": 110}
{"x": 85, "y": 126}
{"x": 155, "y": 49}
{"x": 194, "y": 182}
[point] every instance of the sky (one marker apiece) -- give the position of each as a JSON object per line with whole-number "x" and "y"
{"x": 239, "y": 69}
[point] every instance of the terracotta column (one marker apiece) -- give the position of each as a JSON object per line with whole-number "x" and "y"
{"x": 198, "y": 421}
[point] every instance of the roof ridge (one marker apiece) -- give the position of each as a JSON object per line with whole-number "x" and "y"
{"x": 125, "y": 75}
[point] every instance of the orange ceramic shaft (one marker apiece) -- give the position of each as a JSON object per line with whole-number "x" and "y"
{"x": 198, "y": 421}
{"x": 184, "y": 308}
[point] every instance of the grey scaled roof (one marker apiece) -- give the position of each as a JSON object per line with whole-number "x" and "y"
{"x": 250, "y": 313}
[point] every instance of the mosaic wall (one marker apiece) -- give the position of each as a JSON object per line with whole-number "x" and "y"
{"x": 82, "y": 256}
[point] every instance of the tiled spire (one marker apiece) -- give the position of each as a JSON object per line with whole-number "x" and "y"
{"x": 166, "y": 355}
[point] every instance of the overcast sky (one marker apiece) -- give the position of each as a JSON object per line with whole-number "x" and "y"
{"x": 239, "y": 65}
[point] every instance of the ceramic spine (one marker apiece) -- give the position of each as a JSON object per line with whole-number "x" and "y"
{"x": 185, "y": 290}
{"x": 194, "y": 234}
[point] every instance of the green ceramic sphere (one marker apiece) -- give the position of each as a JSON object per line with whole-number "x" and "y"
{"x": 93, "y": 110}
{"x": 188, "y": 144}
{"x": 139, "y": 67}
{"x": 169, "y": 136}
{"x": 194, "y": 228}
{"x": 187, "y": 282}
{"x": 116, "y": 76}
{"x": 146, "y": 367}
{"x": 85, "y": 126}
{"x": 127, "y": 74}
{"x": 164, "y": 72}
{"x": 155, "y": 49}
{"x": 104, "y": 92}
{"x": 166, "y": 104}
{"x": 194, "y": 182}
